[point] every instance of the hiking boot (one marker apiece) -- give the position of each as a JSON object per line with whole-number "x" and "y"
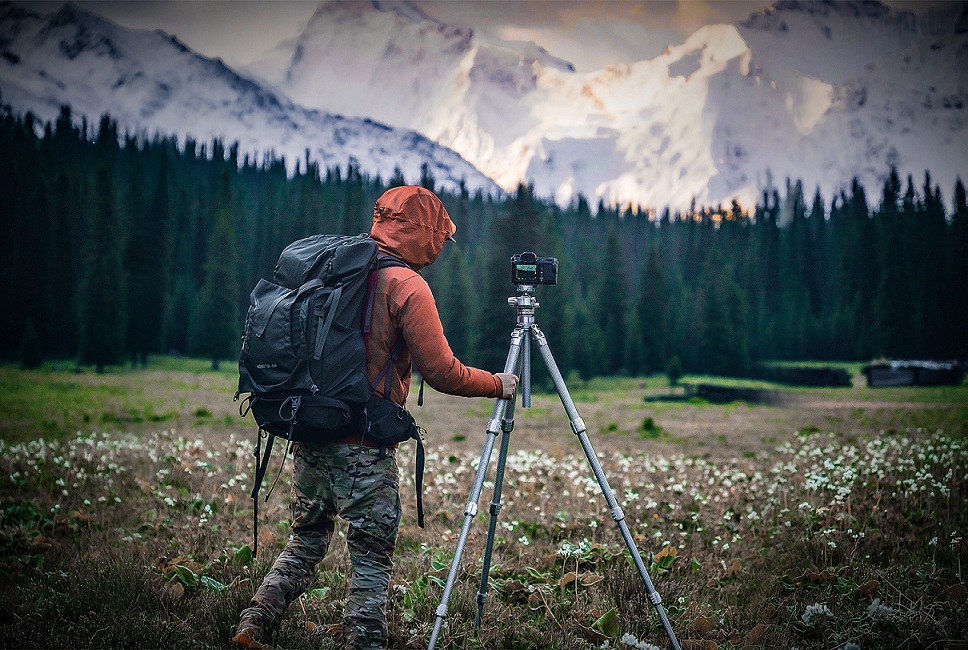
{"x": 250, "y": 633}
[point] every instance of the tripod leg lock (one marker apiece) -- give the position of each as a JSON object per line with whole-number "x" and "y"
{"x": 442, "y": 611}
{"x": 578, "y": 426}
{"x": 471, "y": 510}
{"x": 655, "y": 598}
{"x": 495, "y": 509}
{"x": 494, "y": 426}
{"x": 617, "y": 514}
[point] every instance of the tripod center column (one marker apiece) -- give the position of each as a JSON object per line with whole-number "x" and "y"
{"x": 525, "y": 304}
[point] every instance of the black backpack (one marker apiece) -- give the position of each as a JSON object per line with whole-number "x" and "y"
{"x": 303, "y": 358}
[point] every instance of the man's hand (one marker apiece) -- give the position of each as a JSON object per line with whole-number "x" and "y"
{"x": 508, "y": 383}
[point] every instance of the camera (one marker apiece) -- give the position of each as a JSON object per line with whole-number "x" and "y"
{"x": 528, "y": 268}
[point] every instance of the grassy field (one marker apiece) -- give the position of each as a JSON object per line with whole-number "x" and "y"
{"x": 832, "y": 518}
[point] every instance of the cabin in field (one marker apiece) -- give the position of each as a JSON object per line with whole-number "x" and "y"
{"x": 914, "y": 373}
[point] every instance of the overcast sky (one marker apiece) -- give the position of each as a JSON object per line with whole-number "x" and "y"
{"x": 589, "y": 33}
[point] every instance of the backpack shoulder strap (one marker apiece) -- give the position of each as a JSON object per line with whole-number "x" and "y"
{"x": 384, "y": 261}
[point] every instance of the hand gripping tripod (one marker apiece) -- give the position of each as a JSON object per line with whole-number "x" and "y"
{"x": 502, "y": 421}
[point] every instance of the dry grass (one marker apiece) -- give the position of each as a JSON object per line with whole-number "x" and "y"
{"x": 833, "y": 521}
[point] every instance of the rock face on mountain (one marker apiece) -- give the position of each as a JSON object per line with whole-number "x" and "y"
{"x": 152, "y": 83}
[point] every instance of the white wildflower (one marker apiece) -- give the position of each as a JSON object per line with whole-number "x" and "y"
{"x": 879, "y": 610}
{"x": 813, "y": 612}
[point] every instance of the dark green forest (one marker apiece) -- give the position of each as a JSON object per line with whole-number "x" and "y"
{"x": 119, "y": 246}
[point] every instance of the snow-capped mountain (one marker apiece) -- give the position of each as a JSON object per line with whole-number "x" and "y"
{"x": 821, "y": 91}
{"x": 150, "y": 82}
{"x": 815, "y": 90}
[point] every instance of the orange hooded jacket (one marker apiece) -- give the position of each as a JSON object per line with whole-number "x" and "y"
{"x": 412, "y": 224}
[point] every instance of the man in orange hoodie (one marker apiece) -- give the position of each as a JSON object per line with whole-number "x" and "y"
{"x": 357, "y": 481}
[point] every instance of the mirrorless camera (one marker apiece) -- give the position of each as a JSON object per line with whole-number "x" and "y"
{"x": 528, "y": 268}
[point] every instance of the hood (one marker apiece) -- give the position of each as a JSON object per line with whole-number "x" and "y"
{"x": 411, "y": 223}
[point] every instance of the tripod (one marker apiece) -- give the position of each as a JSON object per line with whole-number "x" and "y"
{"x": 502, "y": 421}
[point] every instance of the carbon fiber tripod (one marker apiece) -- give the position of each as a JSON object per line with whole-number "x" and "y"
{"x": 502, "y": 421}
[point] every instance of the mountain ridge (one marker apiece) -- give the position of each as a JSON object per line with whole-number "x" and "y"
{"x": 817, "y": 91}
{"x": 151, "y": 81}
{"x": 627, "y": 133}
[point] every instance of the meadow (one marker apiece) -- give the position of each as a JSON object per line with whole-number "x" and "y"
{"x": 829, "y": 518}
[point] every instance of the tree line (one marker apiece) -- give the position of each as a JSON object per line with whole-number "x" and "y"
{"x": 120, "y": 245}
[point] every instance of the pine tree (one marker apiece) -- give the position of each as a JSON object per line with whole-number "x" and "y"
{"x": 857, "y": 274}
{"x": 611, "y": 304}
{"x": 426, "y": 177}
{"x": 397, "y": 180}
{"x": 31, "y": 356}
{"x": 590, "y": 352}
{"x": 651, "y": 313}
{"x": 456, "y": 300}
{"x": 215, "y": 322}
{"x": 102, "y": 302}
{"x": 633, "y": 346}
{"x": 723, "y": 349}
{"x": 957, "y": 301}
{"x": 137, "y": 261}
{"x": 893, "y": 309}
{"x": 815, "y": 266}
{"x": 928, "y": 234}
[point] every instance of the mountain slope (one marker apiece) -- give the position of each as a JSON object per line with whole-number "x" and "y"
{"x": 821, "y": 91}
{"x": 151, "y": 82}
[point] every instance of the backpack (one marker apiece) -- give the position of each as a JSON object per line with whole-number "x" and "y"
{"x": 303, "y": 357}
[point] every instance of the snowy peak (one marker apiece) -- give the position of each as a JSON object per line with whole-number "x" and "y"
{"x": 150, "y": 82}
{"x": 820, "y": 91}
{"x": 829, "y": 41}
{"x": 381, "y": 54}
{"x": 407, "y": 34}
{"x": 343, "y": 11}
{"x": 710, "y": 47}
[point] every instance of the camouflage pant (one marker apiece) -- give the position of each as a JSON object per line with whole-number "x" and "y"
{"x": 360, "y": 485}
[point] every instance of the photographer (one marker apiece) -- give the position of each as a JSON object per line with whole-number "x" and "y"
{"x": 358, "y": 481}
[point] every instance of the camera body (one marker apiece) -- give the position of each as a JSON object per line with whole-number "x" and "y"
{"x": 528, "y": 268}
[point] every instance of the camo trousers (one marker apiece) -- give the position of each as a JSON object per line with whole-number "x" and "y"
{"x": 360, "y": 484}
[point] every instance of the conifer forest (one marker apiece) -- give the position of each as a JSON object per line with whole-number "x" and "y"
{"x": 119, "y": 246}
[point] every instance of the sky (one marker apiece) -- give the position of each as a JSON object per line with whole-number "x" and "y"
{"x": 589, "y": 33}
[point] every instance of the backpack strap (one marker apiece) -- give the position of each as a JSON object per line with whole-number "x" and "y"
{"x": 261, "y": 465}
{"x": 387, "y": 261}
{"x": 384, "y": 261}
{"x": 418, "y": 474}
{"x": 322, "y": 328}
{"x": 387, "y": 373}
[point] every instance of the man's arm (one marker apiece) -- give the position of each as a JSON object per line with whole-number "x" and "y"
{"x": 423, "y": 333}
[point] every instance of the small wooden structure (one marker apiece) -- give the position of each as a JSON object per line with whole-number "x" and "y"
{"x": 914, "y": 373}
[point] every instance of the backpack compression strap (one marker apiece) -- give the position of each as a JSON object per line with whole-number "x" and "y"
{"x": 261, "y": 465}
{"x": 418, "y": 475}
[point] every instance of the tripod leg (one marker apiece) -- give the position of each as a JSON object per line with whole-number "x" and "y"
{"x": 526, "y": 373}
{"x": 578, "y": 426}
{"x": 507, "y": 425}
{"x": 493, "y": 428}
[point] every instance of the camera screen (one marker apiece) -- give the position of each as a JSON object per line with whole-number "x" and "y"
{"x": 526, "y": 272}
